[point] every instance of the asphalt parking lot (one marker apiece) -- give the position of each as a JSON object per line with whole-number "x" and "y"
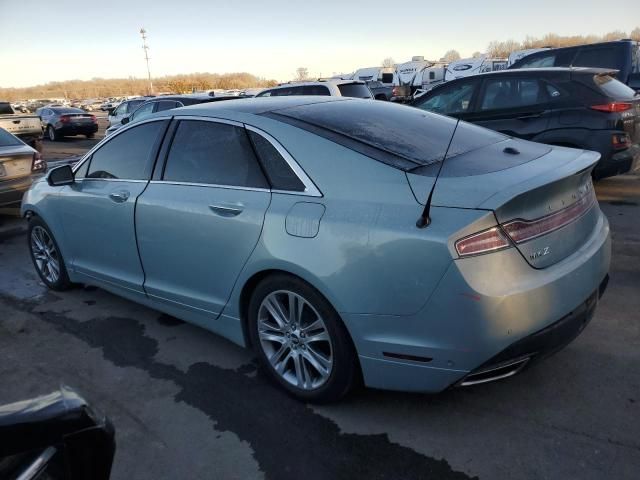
{"x": 188, "y": 404}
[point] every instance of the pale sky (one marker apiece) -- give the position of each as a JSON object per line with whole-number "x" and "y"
{"x": 43, "y": 41}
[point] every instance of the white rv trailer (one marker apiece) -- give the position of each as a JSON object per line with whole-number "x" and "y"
{"x": 472, "y": 66}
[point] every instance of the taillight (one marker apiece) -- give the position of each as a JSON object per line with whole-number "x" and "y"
{"x": 93, "y": 118}
{"x": 620, "y": 141}
{"x": 613, "y": 107}
{"x": 394, "y": 91}
{"x": 485, "y": 241}
{"x": 65, "y": 119}
{"x": 38, "y": 164}
{"x": 523, "y": 230}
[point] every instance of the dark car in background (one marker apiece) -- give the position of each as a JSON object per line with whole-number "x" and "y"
{"x": 333, "y": 87}
{"x": 59, "y": 122}
{"x": 20, "y": 165}
{"x": 622, "y": 55}
{"x": 165, "y": 102}
{"x": 584, "y": 108}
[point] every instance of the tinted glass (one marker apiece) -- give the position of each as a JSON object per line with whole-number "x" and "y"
{"x": 281, "y": 177}
{"x": 283, "y": 92}
{"x": 355, "y": 90}
{"x": 511, "y": 93}
{"x": 127, "y": 155}
{"x": 411, "y": 137}
{"x": 62, "y": 111}
{"x": 143, "y": 112}
{"x": 213, "y": 153}
{"x": 6, "y": 139}
{"x": 601, "y": 57}
{"x": 449, "y": 100}
{"x": 315, "y": 90}
{"x": 613, "y": 88}
{"x": 5, "y": 108}
{"x": 166, "y": 105}
{"x": 540, "y": 61}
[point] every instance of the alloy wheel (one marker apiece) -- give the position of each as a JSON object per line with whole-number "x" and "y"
{"x": 295, "y": 340}
{"x": 45, "y": 254}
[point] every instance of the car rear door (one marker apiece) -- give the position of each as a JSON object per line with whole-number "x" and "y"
{"x": 199, "y": 221}
{"x": 99, "y": 206}
{"x": 514, "y": 105}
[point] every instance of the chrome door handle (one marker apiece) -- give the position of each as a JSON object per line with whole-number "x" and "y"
{"x": 119, "y": 197}
{"x": 225, "y": 211}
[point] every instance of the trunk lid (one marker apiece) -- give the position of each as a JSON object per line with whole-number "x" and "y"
{"x": 15, "y": 162}
{"x": 528, "y": 186}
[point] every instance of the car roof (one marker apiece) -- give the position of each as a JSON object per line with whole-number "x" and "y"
{"x": 543, "y": 70}
{"x": 259, "y": 105}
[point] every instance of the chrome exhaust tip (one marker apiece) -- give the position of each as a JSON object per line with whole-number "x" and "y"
{"x": 492, "y": 373}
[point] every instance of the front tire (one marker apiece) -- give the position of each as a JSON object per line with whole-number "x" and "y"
{"x": 46, "y": 256}
{"x": 300, "y": 340}
{"x": 51, "y": 133}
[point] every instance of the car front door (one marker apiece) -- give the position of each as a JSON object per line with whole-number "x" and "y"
{"x": 198, "y": 223}
{"x": 455, "y": 99}
{"x": 99, "y": 207}
{"x": 514, "y": 105}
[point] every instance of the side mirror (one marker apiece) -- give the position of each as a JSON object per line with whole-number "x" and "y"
{"x": 387, "y": 78}
{"x": 124, "y": 121}
{"x": 60, "y": 176}
{"x": 111, "y": 110}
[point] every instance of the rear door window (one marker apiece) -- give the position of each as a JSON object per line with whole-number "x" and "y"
{"x": 213, "y": 153}
{"x": 512, "y": 93}
{"x": 167, "y": 105}
{"x": 286, "y": 91}
{"x": 354, "y": 90}
{"x": 126, "y": 156}
{"x": 316, "y": 90}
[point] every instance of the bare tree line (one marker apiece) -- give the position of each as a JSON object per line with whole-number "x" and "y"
{"x": 112, "y": 87}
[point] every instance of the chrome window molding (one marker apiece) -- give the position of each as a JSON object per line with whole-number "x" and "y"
{"x": 112, "y": 180}
{"x": 209, "y": 185}
{"x": 310, "y": 188}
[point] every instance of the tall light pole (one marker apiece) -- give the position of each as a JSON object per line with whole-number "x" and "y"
{"x": 145, "y": 47}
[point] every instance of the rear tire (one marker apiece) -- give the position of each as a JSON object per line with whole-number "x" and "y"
{"x": 51, "y": 133}
{"x": 309, "y": 352}
{"x": 46, "y": 256}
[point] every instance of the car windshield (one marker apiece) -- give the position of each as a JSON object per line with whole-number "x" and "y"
{"x": 8, "y": 140}
{"x": 355, "y": 90}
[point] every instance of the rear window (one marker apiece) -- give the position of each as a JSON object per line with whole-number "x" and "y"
{"x": 600, "y": 57}
{"x": 8, "y": 140}
{"x": 354, "y": 90}
{"x": 5, "y": 108}
{"x": 400, "y": 136}
{"x": 613, "y": 88}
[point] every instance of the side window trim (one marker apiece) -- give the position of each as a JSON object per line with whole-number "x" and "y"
{"x": 310, "y": 188}
{"x": 155, "y": 151}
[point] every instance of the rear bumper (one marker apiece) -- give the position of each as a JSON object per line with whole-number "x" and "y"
{"x": 11, "y": 191}
{"x": 77, "y": 130}
{"x": 483, "y": 305}
{"x": 619, "y": 162}
{"x": 537, "y": 346}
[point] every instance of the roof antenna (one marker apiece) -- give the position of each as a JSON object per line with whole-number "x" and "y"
{"x": 425, "y": 219}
